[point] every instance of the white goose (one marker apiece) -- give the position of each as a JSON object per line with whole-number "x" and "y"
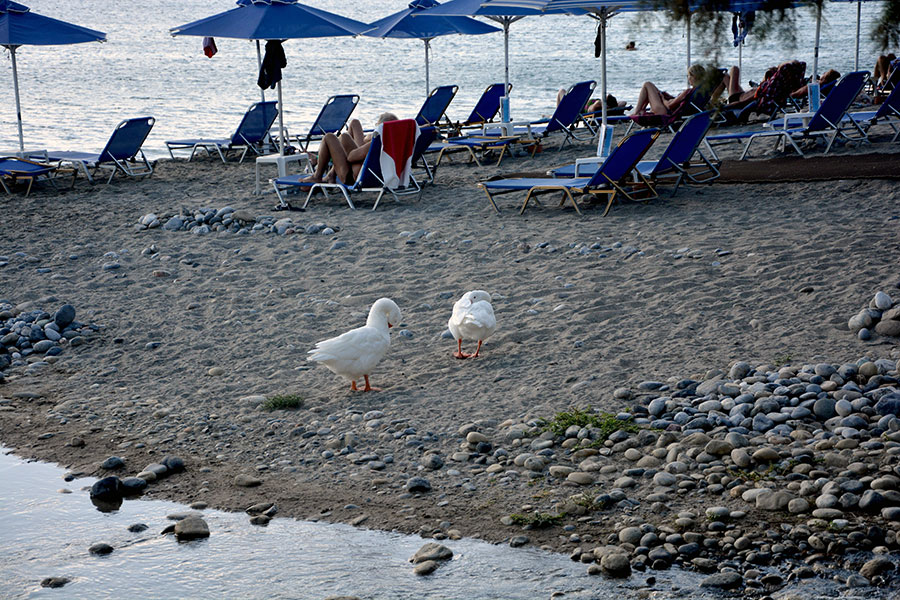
{"x": 355, "y": 353}
{"x": 473, "y": 319}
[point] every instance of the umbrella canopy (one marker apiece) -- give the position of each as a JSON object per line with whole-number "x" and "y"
{"x": 494, "y": 10}
{"x": 601, "y": 10}
{"x": 21, "y": 27}
{"x": 425, "y": 27}
{"x": 272, "y": 20}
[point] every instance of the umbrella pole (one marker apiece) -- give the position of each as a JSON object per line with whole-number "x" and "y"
{"x": 603, "y": 77}
{"x": 12, "y": 52}
{"x": 740, "y": 57}
{"x": 688, "y": 44}
{"x": 858, "y": 18}
{"x": 427, "y": 78}
{"x": 281, "y": 118}
{"x": 506, "y": 23}
{"x": 816, "y": 51}
{"x": 262, "y": 91}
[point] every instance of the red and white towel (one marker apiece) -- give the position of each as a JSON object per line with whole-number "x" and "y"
{"x": 398, "y": 138}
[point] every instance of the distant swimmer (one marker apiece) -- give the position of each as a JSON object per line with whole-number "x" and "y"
{"x": 631, "y": 46}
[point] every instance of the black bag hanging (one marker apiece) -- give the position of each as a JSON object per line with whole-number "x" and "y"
{"x": 273, "y": 62}
{"x": 598, "y": 43}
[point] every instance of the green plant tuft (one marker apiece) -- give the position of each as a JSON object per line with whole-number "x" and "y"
{"x": 538, "y": 520}
{"x": 282, "y": 402}
{"x": 607, "y": 423}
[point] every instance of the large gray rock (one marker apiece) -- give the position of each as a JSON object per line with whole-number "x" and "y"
{"x": 615, "y": 565}
{"x": 888, "y": 328}
{"x": 431, "y": 551}
{"x": 876, "y": 567}
{"x": 191, "y": 528}
{"x": 774, "y": 500}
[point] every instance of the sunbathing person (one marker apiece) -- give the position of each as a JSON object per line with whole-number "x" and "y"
{"x": 594, "y": 105}
{"x": 882, "y": 69}
{"x": 826, "y": 77}
{"x": 663, "y": 103}
{"x": 346, "y": 153}
{"x": 738, "y": 95}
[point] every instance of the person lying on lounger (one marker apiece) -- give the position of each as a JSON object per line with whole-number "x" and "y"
{"x": 594, "y": 105}
{"x": 883, "y": 69}
{"x": 826, "y": 77}
{"x": 346, "y": 153}
{"x": 663, "y": 103}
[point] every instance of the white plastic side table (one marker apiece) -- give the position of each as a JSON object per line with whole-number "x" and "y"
{"x": 281, "y": 162}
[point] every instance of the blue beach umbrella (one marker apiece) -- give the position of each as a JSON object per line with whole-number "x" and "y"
{"x": 272, "y": 20}
{"x": 602, "y": 10}
{"x": 504, "y": 15}
{"x": 21, "y": 27}
{"x": 425, "y": 27}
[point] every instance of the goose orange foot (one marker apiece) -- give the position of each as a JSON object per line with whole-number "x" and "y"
{"x": 459, "y": 353}
{"x": 368, "y": 387}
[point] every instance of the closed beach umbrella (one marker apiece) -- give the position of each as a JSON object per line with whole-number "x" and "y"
{"x": 425, "y": 27}
{"x": 272, "y": 21}
{"x": 21, "y": 27}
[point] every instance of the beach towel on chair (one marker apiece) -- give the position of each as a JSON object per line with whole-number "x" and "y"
{"x": 398, "y": 138}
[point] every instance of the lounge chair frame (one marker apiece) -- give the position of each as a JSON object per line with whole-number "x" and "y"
{"x": 32, "y": 171}
{"x": 241, "y": 141}
{"x": 825, "y": 123}
{"x": 126, "y": 156}
{"x": 591, "y": 186}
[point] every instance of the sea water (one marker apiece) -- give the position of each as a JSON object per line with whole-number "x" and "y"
{"x": 45, "y": 533}
{"x": 73, "y": 96}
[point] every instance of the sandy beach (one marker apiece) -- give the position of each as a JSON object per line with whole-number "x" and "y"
{"x": 195, "y": 331}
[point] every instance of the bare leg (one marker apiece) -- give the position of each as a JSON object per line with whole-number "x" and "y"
{"x": 356, "y": 132}
{"x": 733, "y": 81}
{"x": 459, "y": 353}
{"x": 331, "y": 149}
{"x": 368, "y": 387}
{"x": 652, "y": 97}
{"x": 560, "y": 95}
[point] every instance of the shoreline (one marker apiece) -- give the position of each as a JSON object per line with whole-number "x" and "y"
{"x": 574, "y": 328}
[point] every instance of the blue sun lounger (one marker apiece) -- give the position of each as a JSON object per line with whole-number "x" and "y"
{"x": 676, "y": 162}
{"x": 371, "y": 178}
{"x": 331, "y": 119}
{"x": 120, "y": 154}
{"x": 564, "y": 118}
{"x": 486, "y": 109}
{"x": 435, "y": 105}
{"x": 427, "y": 135}
{"x": 16, "y": 169}
{"x": 250, "y": 135}
{"x": 608, "y": 179}
{"x": 888, "y": 112}
{"x": 825, "y": 122}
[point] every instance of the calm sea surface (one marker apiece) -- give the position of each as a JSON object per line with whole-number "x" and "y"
{"x": 72, "y": 96}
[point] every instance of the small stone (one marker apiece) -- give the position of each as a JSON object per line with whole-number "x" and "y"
{"x": 100, "y": 549}
{"x": 876, "y": 567}
{"x": 246, "y": 481}
{"x": 418, "y": 484}
{"x": 766, "y": 454}
{"x": 426, "y": 567}
{"x": 54, "y": 582}
{"x": 725, "y": 580}
{"x": 798, "y": 505}
{"x": 615, "y": 565}
{"x": 112, "y": 463}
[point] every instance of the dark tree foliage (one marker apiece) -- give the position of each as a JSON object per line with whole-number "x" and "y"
{"x": 776, "y": 19}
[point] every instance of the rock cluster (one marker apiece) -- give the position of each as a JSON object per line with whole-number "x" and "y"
{"x": 211, "y": 220}
{"x": 111, "y": 490}
{"x": 33, "y": 337}
{"x": 881, "y": 316}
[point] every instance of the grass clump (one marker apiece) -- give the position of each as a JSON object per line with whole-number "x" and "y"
{"x": 606, "y": 423}
{"x": 538, "y": 520}
{"x": 282, "y": 402}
